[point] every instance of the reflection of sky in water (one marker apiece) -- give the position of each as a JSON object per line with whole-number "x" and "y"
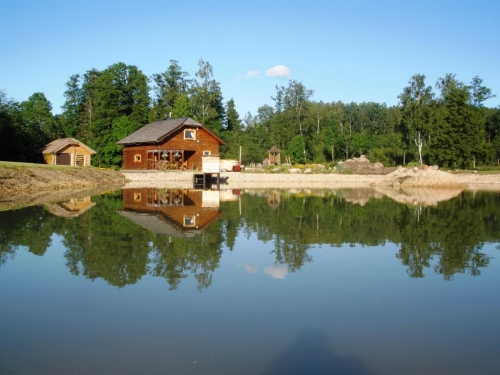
{"x": 277, "y": 272}
{"x": 352, "y": 309}
{"x": 256, "y": 257}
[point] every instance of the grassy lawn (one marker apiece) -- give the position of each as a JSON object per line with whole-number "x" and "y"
{"x": 18, "y": 165}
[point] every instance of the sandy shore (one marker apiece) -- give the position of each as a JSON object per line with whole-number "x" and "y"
{"x": 238, "y": 180}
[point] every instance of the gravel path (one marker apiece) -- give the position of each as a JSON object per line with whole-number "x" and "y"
{"x": 405, "y": 177}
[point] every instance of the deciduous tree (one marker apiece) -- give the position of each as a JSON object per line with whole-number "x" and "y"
{"x": 206, "y": 98}
{"x": 416, "y": 102}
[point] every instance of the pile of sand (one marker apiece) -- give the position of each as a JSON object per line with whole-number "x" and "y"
{"x": 416, "y": 177}
{"x": 416, "y": 196}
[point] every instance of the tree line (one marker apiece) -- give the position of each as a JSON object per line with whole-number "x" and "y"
{"x": 448, "y": 126}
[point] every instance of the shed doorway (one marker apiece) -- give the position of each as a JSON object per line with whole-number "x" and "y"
{"x": 63, "y": 159}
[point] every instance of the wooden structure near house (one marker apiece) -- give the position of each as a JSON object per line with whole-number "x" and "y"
{"x": 171, "y": 212}
{"x": 66, "y": 151}
{"x": 274, "y": 155}
{"x": 170, "y": 144}
{"x": 72, "y": 208}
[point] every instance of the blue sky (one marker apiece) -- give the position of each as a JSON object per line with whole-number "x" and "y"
{"x": 352, "y": 51}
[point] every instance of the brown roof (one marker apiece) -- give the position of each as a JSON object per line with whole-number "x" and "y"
{"x": 156, "y": 223}
{"x": 274, "y": 150}
{"x": 158, "y": 130}
{"x": 60, "y": 143}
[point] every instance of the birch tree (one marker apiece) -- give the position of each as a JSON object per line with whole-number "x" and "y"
{"x": 416, "y": 107}
{"x": 206, "y": 98}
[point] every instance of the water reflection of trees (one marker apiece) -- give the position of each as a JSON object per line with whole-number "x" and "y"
{"x": 446, "y": 239}
{"x": 103, "y": 244}
{"x": 31, "y": 227}
{"x": 452, "y": 234}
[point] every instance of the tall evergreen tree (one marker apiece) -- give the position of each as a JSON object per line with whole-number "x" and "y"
{"x": 72, "y": 107}
{"x": 168, "y": 87}
{"x": 232, "y": 132}
{"x": 104, "y": 106}
{"x": 233, "y": 122}
{"x": 459, "y": 135}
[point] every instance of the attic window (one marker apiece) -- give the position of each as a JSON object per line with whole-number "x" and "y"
{"x": 190, "y": 134}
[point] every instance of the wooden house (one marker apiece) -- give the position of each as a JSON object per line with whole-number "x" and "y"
{"x": 171, "y": 212}
{"x": 169, "y": 144}
{"x": 66, "y": 151}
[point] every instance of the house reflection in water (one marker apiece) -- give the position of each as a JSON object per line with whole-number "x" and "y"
{"x": 171, "y": 212}
{"x": 72, "y": 208}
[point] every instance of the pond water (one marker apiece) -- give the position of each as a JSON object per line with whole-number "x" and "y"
{"x": 155, "y": 281}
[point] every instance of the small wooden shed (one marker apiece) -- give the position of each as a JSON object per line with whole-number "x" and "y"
{"x": 72, "y": 208}
{"x": 66, "y": 151}
{"x": 274, "y": 155}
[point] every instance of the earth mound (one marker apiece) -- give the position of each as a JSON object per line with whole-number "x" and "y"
{"x": 362, "y": 165}
{"x": 421, "y": 177}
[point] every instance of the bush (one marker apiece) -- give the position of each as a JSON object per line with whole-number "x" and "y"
{"x": 341, "y": 169}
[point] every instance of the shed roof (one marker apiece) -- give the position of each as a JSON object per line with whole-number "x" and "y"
{"x": 158, "y": 130}
{"x": 60, "y": 143}
{"x": 274, "y": 150}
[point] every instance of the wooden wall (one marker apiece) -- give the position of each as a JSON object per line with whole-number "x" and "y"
{"x": 174, "y": 203}
{"x": 136, "y": 157}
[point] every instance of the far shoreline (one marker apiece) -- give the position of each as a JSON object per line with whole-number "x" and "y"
{"x": 241, "y": 180}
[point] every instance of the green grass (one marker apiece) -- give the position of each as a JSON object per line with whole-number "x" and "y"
{"x": 20, "y": 165}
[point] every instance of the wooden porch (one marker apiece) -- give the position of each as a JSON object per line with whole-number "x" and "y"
{"x": 170, "y": 160}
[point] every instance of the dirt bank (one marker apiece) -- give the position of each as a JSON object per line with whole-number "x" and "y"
{"x": 17, "y": 178}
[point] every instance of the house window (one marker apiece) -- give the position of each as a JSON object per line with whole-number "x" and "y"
{"x": 137, "y": 197}
{"x": 190, "y": 134}
{"x": 189, "y": 221}
{"x": 137, "y": 158}
{"x": 207, "y": 152}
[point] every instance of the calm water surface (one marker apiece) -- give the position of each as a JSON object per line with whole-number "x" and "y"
{"x": 152, "y": 281}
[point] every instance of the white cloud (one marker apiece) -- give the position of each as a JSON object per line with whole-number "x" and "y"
{"x": 250, "y": 268}
{"x": 276, "y": 272}
{"x": 278, "y": 71}
{"x": 252, "y": 74}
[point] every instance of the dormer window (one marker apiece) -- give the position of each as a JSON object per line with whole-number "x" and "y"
{"x": 190, "y": 134}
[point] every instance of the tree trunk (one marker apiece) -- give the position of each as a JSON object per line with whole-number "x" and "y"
{"x": 419, "y": 144}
